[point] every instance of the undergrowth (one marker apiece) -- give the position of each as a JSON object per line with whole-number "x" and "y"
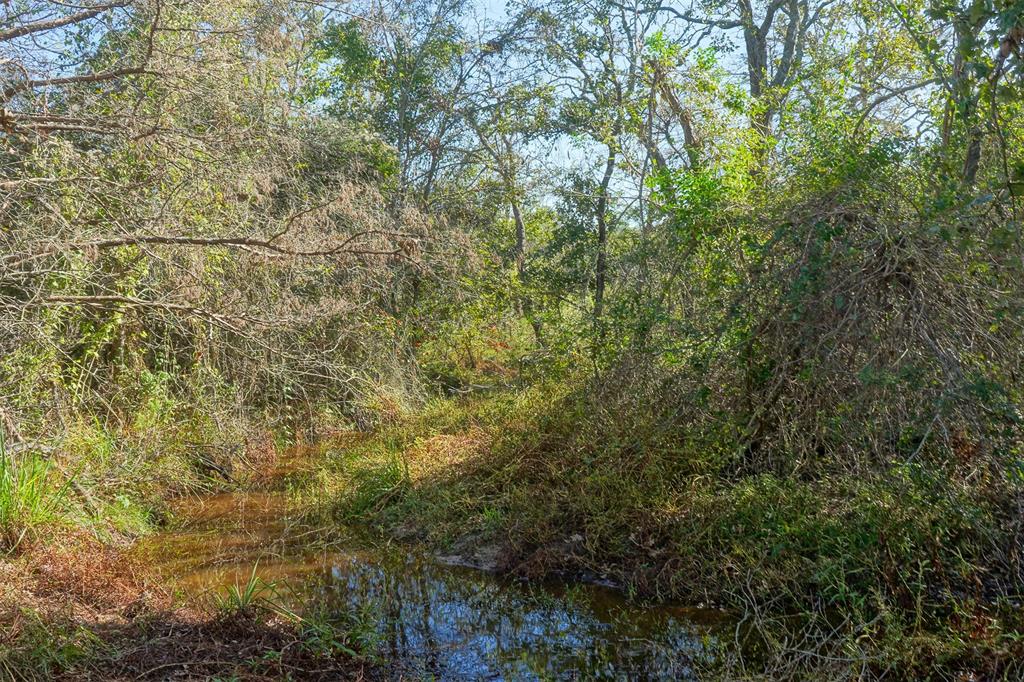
{"x": 113, "y": 478}
{"x": 911, "y": 567}
{"x": 28, "y": 497}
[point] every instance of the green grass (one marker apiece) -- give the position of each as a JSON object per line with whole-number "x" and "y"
{"x": 44, "y": 648}
{"x": 244, "y": 598}
{"x": 112, "y": 478}
{"x": 349, "y": 634}
{"x": 29, "y": 497}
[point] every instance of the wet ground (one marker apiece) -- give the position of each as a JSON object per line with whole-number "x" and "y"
{"x": 426, "y": 618}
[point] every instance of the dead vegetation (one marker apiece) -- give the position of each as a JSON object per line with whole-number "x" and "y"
{"x": 78, "y": 610}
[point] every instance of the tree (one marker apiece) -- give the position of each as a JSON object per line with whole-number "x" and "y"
{"x": 774, "y": 41}
{"x": 594, "y": 58}
{"x": 981, "y": 38}
{"x": 509, "y": 111}
{"x": 167, "y": 207}
{"x": 400, "y": 67}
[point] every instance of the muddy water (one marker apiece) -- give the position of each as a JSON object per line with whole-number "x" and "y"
{"x": 428, "y": 620}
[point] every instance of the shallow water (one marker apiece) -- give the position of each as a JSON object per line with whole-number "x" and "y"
{"x": 428, "y": 619}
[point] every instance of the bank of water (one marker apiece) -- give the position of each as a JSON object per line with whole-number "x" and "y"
{"x": 428, "y": 619}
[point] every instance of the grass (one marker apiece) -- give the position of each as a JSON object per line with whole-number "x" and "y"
{"x": 45, "y": 648}
{"x": 908, "y": 568}
{"x": 245, "y": 598}
{"x": 71, "y": 602}
{"x": 350, "y": 635}
{"x": 75, "y": 608}
{"x": 29, "y": 498}
{"x": 113, "y": 478}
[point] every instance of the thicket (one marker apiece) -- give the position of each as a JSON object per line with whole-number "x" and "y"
{"x": 190, "y": 258}
{"x": 754, "y": 338}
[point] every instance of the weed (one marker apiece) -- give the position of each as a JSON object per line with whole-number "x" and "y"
{"x": 246, "y": 598}
{"x": 352, "y": 633}
{"x": 44, "y": 648}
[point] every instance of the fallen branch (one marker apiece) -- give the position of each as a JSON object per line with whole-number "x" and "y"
{"x": 268, "y": 245}
{"x": 106, "y": 301}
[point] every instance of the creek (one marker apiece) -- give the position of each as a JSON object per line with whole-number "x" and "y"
{"x": 426, "y": 618}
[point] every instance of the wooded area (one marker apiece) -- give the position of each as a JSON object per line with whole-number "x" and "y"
{"x": 723, "y": 299}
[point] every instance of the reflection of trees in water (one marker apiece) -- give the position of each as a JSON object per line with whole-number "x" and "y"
{"x": 449, "y": 622}
{"x": 454, "y": 623}
{"x": 445, "y": 621}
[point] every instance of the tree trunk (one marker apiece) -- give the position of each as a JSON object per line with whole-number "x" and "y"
{"x": 601, "y": 269}
{"x": 520, "y": 253}
{"x": 525, "y": 304}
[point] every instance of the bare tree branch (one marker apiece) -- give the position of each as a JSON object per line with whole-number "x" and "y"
{"x": 40, "y": 26}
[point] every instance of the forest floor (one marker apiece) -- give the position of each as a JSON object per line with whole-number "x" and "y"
{"x": 508, "y": 483}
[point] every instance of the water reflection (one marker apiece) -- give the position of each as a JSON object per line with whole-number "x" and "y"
{"x": 433, "y": 620}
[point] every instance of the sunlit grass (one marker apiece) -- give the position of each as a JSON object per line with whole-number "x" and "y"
{"x": 29, "y": 498}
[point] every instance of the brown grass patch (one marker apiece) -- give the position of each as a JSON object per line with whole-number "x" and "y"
{"x": 444, "y": 453}
{"x": 88, "y": 574}
{"x": 76, "y": 583}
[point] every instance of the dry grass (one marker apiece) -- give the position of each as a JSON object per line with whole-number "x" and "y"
{"x": 445, "y": 454}
{"x": 74, "y": 609}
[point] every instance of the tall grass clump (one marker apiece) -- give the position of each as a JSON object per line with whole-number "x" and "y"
{"x": 29, "y": 498}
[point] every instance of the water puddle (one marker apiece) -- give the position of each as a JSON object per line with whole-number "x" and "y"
{"x": 430, "y": 620}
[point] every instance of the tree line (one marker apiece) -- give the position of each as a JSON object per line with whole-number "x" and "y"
{"x": 806, "y": 212}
